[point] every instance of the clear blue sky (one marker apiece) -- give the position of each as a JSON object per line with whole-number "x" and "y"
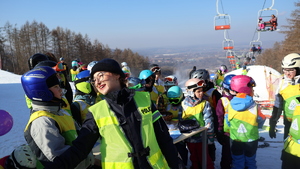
{"x": 147, "y": 23}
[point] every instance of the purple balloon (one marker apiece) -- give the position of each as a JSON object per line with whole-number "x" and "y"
{"x": 6, "y": 122}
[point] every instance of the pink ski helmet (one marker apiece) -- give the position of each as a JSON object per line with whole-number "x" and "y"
{"x": 242, "y": 84}
{"x": 260, "y": 18}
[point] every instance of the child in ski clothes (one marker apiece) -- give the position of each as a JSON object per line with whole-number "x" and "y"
{"x": 175, "y": 97}
{"x": 223, "y": 131}
{"x": 195, "y": 107}
{"x": 154, "y": 90}
{"x": 85, "y": 96}
{"x": 261, "y": 24}
{"x": 243, "y": 122}
{"x": 287, "y": 92}
{"x": 50, "y": 129}
{"x": 131, "y": 130}
{"x": 291, "y": 152}
{"x": 21, "y": 158}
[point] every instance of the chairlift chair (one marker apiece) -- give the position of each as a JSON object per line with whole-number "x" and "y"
{"x": 221, "y": 17}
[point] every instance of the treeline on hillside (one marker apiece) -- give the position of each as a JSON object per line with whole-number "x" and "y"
{"x": 18, "y": 44}
{"x": 272, "y": 57}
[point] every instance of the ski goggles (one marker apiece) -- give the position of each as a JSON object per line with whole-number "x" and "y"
{"x": 155, "y": 69}
{"x": 59, "y": 67}
{"x": 251, "y": 83}
{"x": 174, "y": 100}
{"x": 169, "y": 79}
{"x": 201, "y": 83}
{"x": 288, "y": 70}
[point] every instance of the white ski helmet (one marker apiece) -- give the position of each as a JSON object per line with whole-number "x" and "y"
{"x": 22, "y": 156}
{"x": 91, "y": 64}
{"x": 291, "y": 60}
{"x": 123, "y": 64}
{"x": 170, "y": 81}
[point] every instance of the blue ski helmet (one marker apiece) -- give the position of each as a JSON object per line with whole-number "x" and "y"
{"x": 36, "y": 83}
{"x": 82, "y": 82}
{"x": 145, "y": 74}
{"x": 227, "y": 81}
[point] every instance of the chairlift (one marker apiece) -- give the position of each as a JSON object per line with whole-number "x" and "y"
{"x": 275, "y": 12}
{"x": 227, "y": 43}
{"x": 221, "y": 17}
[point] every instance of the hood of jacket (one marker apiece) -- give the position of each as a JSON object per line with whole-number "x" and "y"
{"x": 241, "y": 103}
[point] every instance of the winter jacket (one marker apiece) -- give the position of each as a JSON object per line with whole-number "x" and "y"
{"x": 123, "y": 105}
{"x": 188, "y": 105}
{"x": 220, "y": 111}
{"x": 44, "y": 136}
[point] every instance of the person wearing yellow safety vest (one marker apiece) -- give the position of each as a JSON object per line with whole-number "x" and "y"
{"x": 243, "y": 120}
{"x": 291, "y": 152}
{"x": 85, "y": 96}
{"x": 74, "y": 70}
{"x": 154, "y": 90}
{"x": 212, "y": 95}
{"x": 219, "y": 75}
{"x": 50, "y": 129}
{"x": 197, "y": 108}
{"x": 287, "y": 92}
{"x": 131, "y": 130}
{"x": 223, "y": 129}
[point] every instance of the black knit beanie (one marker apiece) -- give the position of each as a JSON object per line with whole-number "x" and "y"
{"x": 52, "y": 81}
{"x": 107, "y": 65}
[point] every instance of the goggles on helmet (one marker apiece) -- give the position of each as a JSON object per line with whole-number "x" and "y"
{"x": 155, "y": 69}
{"x": 174, "y": 100}
{"x": 251, "y": 83}
{"x": 59, "y": 67}
{"x": 201, "y": 83}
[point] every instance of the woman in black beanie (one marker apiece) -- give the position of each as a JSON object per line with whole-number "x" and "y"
{"x": 132, "y": 132}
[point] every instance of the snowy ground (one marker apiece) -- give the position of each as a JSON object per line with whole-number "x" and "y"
{"x": 12, "y": 100}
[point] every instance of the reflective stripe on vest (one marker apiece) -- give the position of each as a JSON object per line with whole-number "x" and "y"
{"x": 194, "y": 113}
{"x": 115, "y": 148}
{"x": 209, "y": 94}
{"x": 65, "y": 123}
{"x": 289, "y": 95}
{"x": 225, "y": 103}
{"x": 243, "y": 124}
{"x": 295, "y": 125}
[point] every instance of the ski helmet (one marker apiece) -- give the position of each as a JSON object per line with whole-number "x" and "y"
{"x": 242, "y": 84}
{"x": 35, "y": 59}
{"x": 175, "y": 94}
{"x": 223, "y": 68}
{"x": 58, "y": 67}
{"x": 123, "y": 64}
{"x": 170, "y": 81}
{"x": 135, "y": 83}
{"x": 91, "y": 64}
{"x": 75, "y": 63}
{"x": 227, "y": 81}
{"x": 194, "y": 83}
{"x": 291, "y": 60}
{"x": 36, "y": 83}
{"x": 145, "y": 74}
{"x": 22, "y": 157}
{"x": 212, "y": 76}
{"x": 82, "y": 82}
{"x": 154, "y": 68}
{"x": 201, "y": 74}
{"x": 61, "y": 59}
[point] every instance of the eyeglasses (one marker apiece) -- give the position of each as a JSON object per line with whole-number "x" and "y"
{"x": 288, "y": 70}
{"x": 201, "y": 83}
{"x": 174, "y": 100}
{"x": 99, "y": 77}
{"x": 251, "y": 83}
{"x": 59, "y": 67}
{"x": 155, "y": 69}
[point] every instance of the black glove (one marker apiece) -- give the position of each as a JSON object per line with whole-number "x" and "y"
{"x": 220, "y": 137}
{"x": 272, "y": 132}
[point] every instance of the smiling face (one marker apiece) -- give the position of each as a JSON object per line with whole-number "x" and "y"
{"x": 289, "y": 72}
{"x": 106, "y": 82}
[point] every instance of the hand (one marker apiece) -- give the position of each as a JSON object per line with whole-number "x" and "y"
{"x": 272, "y": 132}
